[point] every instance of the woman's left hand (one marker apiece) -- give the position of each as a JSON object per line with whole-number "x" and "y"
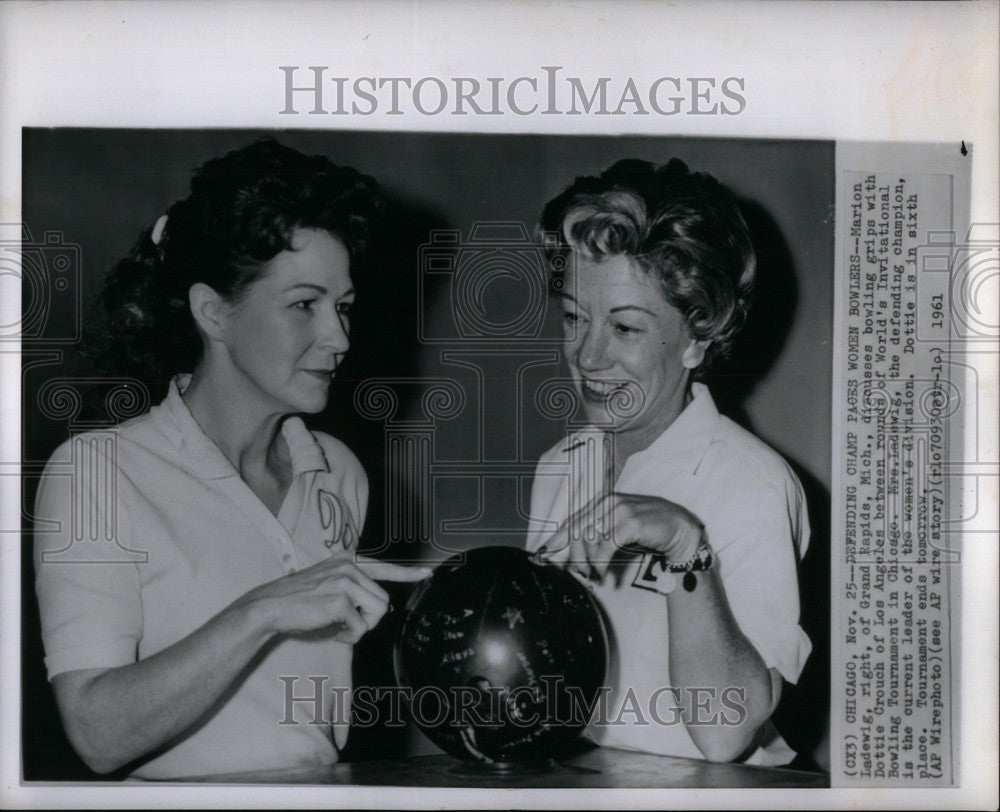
{"x": 614, "y": 522}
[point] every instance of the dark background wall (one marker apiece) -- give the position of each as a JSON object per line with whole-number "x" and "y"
{"x": 97, "y": 189}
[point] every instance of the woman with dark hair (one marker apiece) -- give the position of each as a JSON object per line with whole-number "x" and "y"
{"x": 686, "y": 525}
{"x": 197, "y": 574}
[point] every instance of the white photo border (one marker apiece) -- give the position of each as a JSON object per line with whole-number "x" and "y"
{"x": 852, "y": 71}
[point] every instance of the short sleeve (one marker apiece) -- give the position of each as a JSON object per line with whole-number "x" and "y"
{"x": 759, "y": 571}
{"x": 86, "y": 578}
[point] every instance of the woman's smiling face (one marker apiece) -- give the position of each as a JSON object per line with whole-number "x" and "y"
{"x": 289, "y": 331}
{"x": 628, "y": 350}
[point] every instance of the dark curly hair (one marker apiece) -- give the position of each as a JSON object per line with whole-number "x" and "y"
{"x": 682, "y": 228}
{"x": 243, "y": 210}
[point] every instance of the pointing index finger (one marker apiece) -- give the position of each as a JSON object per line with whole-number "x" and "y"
{"x": 386, "y": 571}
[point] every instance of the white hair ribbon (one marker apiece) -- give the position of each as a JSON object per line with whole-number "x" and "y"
{"x": 157, "y": 234}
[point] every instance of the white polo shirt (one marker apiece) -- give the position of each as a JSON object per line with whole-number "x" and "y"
{"x": 754, "y": 513}
{"x": 145, "y": 532}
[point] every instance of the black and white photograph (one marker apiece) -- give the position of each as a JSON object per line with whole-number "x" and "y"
{"x": 459, "y": 361}
{"x": 442, "y": 432}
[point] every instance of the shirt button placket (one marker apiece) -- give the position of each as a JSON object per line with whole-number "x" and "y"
{"x": 288, "y": 562}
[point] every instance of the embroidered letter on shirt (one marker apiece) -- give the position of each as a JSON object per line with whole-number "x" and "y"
{"x": 335, "y": 518}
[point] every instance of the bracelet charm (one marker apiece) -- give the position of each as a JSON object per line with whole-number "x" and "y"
{"x": 657, "y": 573}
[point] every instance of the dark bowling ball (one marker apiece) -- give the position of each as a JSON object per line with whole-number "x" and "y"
{"x": 503, "y": 655}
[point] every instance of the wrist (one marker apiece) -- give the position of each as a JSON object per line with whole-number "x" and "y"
{"x": 689, "y": 543}
{"x": 658, "y": 573}
{"x": 255, "y": 620}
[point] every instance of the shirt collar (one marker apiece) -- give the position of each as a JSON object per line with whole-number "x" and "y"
{"x": 306, "y": 453}
{"x": 686, "y": 440}
{"x": 201, "y": 457}
{"x": 683, "y": 443}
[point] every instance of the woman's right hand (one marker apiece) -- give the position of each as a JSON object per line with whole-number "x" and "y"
{"x": 115, "y": 715}
{"x": 337, "y": 591}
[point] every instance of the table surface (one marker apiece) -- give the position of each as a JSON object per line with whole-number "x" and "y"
{"x": 598, "y": 767}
